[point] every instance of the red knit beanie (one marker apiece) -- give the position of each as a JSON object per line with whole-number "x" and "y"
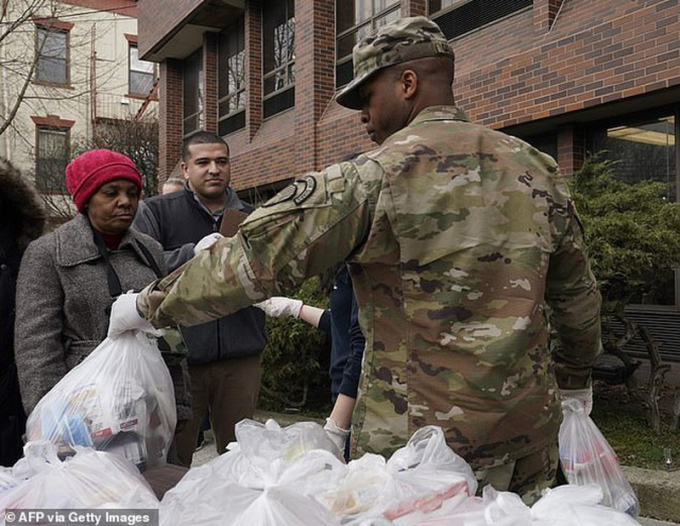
{"x": 93, "y": 169}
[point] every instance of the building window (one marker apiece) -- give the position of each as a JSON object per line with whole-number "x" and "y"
{"x": 231, "y": 79}
{"x": 194, "y": 93}
{"x": 51, "y": 159}
{"x": 644, "y": 150}
{"x": 51, "y": 48}
{"x": 354, "y": 20}
{"x": 458, "y": 17}
{"x": 142, "y": 74}
{"x": 279, "y": 56}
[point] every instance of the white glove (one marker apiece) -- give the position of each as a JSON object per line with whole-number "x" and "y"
{"x": 207, "y": 242}
{"x": 337, "y": 435}
{"x": 577, "y": 400}
{"x": 278, "y": 306}
{"x": 126, "y": 317}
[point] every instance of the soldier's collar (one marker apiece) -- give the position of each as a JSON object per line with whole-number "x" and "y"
{"x": 440, "y": 113}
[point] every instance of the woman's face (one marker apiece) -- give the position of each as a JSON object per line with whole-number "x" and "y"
{"x": 112, "y": 208}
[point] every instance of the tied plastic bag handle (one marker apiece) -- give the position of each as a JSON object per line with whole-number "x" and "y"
{"x": 587, "y": 458}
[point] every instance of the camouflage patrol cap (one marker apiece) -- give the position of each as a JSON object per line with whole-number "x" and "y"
{"x": 398, "y": 41}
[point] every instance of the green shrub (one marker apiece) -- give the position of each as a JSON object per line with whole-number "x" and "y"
{"x": 295, "y": 361}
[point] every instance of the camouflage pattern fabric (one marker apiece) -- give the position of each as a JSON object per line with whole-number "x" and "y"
{"x": 399, "y": 41}
{"x": 460, "y": 237}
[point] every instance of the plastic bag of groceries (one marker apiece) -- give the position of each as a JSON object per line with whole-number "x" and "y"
{"x": 119, "y": 399}
{"x": 416, "y": 480}
{"x": 562, "y": 506}
{"x": 587, "y": 458}
{"x": 88, "y": 479}
{"x": 267, "y": 478}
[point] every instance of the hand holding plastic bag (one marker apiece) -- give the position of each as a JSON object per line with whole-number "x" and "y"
{"x": 125, "y": 317}
{"x": 587, "y": 458}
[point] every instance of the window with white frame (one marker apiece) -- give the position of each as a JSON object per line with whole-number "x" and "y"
{"x": 51, "y": 158}
{"x": 231, "y": 86}
{"x": 51, "y": 48}
{"x": 142, "y": 74}
{"x": 355, "y": 19}
{"x": 278, "y": 56}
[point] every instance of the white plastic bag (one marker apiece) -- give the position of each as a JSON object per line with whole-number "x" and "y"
{"x": 89, "y": 479}
{"x": 563, "y": 506}
{"x": 267, "y": 478}
{"x": 119, "y": 399}
{"x": 416, "y": 480}
{"x": 587, "y": 458}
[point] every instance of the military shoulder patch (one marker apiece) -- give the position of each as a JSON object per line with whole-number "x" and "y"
{"x": 299, "y": 191}
{"x": 307, "y": 187}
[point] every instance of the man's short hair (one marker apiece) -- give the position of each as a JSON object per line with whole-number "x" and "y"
{"x": 174, "y": 180}
{"x": 201, "y": 137}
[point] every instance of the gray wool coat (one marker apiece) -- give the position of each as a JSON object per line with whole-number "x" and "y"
{"x": 63, "y": 304}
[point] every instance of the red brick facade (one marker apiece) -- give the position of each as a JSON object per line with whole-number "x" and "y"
{"x": 552, "y": 67}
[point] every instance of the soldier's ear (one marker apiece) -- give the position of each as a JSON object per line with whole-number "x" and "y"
{"x": 409, "y": 83}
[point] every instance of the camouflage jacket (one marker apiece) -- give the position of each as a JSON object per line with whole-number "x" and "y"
{"x": 464, "y": 245}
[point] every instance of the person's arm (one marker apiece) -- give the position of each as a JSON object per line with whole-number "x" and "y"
{"x": 311, "y": 315}
{"x": 39, "y": 349}
{"x": 574, "y": 299}
{"x": 352, "y": 372}
{"x": 147, "y": 223}
{"x": 280, "y": 245}
{"x": 342, "y": 411}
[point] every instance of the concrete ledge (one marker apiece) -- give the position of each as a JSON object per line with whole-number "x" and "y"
{"x": 657, "y": 491}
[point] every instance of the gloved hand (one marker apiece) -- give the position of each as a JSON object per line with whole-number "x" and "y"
{"x": 207, "y": 242}
{"x": 278, "y": 306}
{"x": 337, "y": 435}
{"x": 126, "y": 317}
{"x": 577, "y": 400}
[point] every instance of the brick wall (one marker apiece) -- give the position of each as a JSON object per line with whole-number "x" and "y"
{"x": 170, "y": 117}
{"x": 596, "y": 52}
{"x": 210, "y": 80}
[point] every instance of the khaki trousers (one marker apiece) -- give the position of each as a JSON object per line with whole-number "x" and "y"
{"x": 527, "y": 476}
{"x": 229, "y": 388}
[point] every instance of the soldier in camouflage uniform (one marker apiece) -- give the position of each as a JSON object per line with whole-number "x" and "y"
{"x": 465, "y": 251}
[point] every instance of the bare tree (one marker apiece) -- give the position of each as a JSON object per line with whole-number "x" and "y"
{"x": 138, "y": 139}
{"x": 17, "y": 66}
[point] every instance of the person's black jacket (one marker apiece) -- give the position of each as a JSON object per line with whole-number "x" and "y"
{"x": 178, "y": 221}
{"x": 22, "y": 218}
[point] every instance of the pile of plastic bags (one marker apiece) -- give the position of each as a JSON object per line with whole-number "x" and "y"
{"x": 293, "y": 476}
{"x": 89, "y": 479}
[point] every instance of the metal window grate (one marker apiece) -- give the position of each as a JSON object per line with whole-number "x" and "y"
{"x": 232, "y": 123}
{"x": 344, "y": 73}
{"x": 279, "y": 102}
{"x": 475, "y": 14}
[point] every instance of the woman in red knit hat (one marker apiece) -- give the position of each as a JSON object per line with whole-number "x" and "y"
{"x": 66, "y": 282}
